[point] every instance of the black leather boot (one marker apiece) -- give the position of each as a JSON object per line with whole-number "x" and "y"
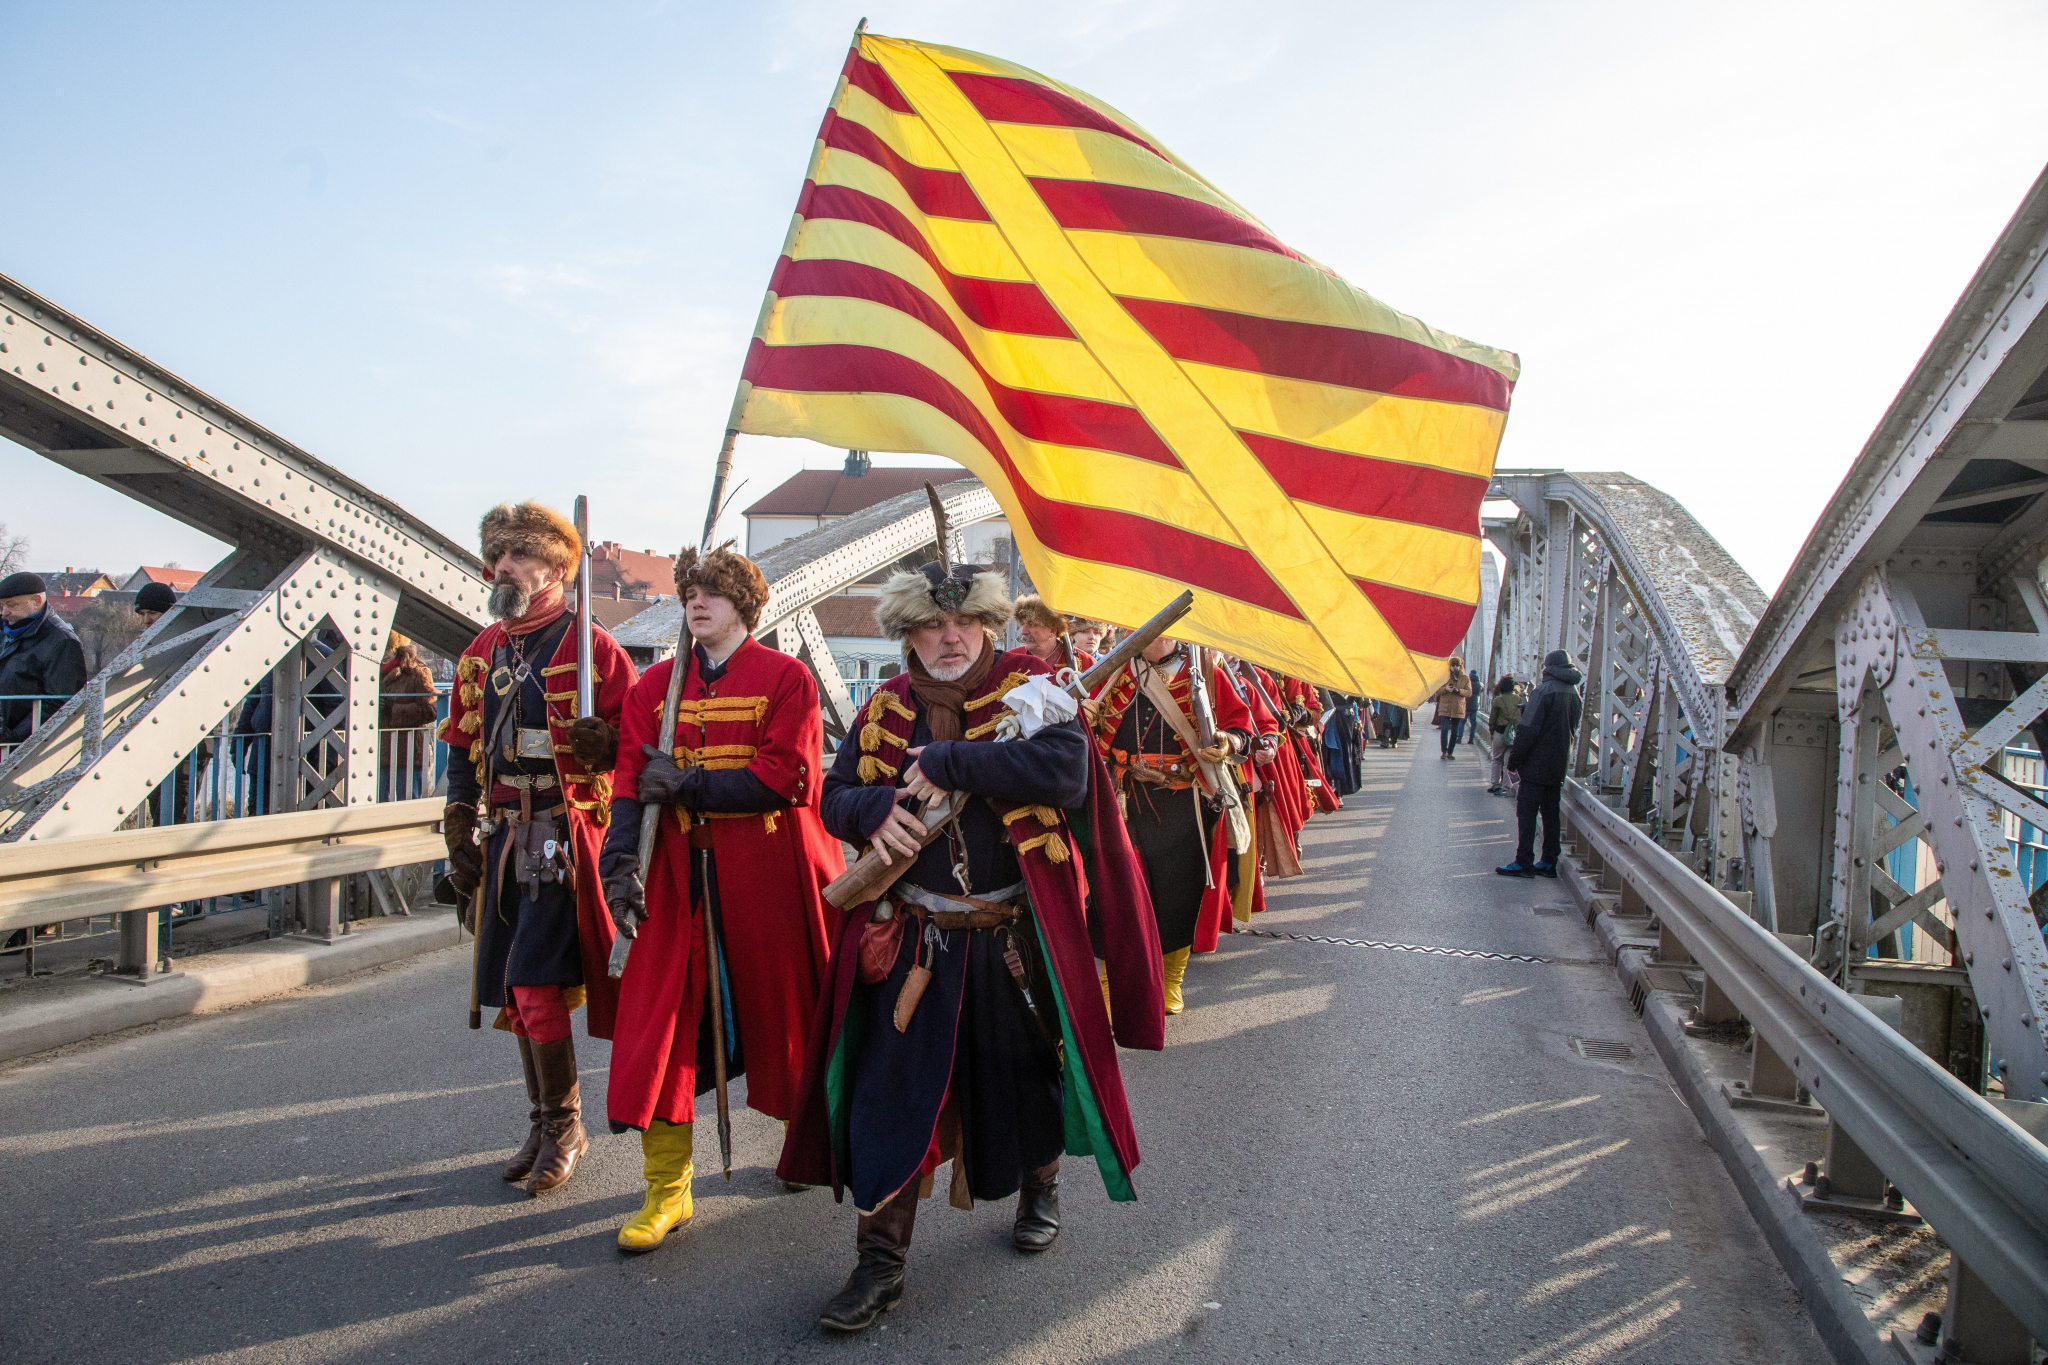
{"x": 562, "y": 1139}
{"x": 1038, "y": 1209}
{"x": 521, "y": 1164}
{"x": 876, "y": 1284}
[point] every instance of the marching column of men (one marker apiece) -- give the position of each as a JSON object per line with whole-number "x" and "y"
{"x": 968, "y": 1013}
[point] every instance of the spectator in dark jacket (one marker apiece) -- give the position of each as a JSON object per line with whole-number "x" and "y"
{"x": 1542, "y": 756}
{"x": 39, "y": 657}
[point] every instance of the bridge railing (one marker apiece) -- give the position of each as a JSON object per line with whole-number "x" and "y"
{"x": 132, "y": 876}
{"x": 1976, "y": 1175}
{"x": 223, "y": 783}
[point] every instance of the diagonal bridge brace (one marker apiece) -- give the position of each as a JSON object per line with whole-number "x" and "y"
{"x": 88, "y": 768}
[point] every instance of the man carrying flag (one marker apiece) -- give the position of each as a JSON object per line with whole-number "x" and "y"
{"x": 964, "y": 1023}
{"x": 737, "y": 796}
{"x": 524, "y": 819}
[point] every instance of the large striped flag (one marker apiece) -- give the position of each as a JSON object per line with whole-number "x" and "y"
{"x": 991, "y": 266}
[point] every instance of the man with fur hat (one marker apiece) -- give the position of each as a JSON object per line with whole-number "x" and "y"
{"x": 1045, "y": 637}
{"x": 1145, "y": 731}
{"x": 1088, "y": 637}
{"x": 964, "y": 1022}
{"x": 741, "y": 842}
{"x": 525, "y": 816}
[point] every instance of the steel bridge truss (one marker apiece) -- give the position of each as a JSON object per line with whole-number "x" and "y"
{"x": 1791, "y": 790}
{"x": 1592, "y": 564}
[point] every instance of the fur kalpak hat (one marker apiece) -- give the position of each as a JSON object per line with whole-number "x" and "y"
{"x": 723, "y": 573}
{"x": 531, "y": 530}
{"x": 911, "y": 600}
{"x": 1032, "y": 611}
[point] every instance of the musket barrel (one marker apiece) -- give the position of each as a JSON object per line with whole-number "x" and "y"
{"x": 586, "y": 687}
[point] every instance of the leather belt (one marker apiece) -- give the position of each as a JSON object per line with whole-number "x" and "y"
{"x": 1172, "y": 771}
{"x": 539, "y": 782}
{"x": 962, "y": 912}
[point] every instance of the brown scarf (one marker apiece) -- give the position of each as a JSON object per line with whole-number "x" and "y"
{"x": 945, "y": 703}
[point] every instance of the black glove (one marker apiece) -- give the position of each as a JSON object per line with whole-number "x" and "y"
{"x": 625, "y": 897}
{"x": 465, "y": 856}
{"x": 662, "y": 780}
{"x": 594, "y": 744}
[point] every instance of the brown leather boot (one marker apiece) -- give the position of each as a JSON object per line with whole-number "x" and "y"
{"x": 521, "y": 1164}
{"x": 876, "y": 1285}
{"x": 1038, "y": 1209}
{"x": 562, "y": 1139}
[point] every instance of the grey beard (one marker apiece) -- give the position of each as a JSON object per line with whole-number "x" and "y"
{"x": 952, "y": 673}
{"x": 509, "y": 600}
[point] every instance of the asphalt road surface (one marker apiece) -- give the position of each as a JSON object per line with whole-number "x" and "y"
{"x": 1350, "y": 1153}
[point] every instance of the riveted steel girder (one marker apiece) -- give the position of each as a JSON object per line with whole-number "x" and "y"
{"x": 1963, "y": 403}
{"x": 70, "y": 392}
{"x": 107, "y": 749}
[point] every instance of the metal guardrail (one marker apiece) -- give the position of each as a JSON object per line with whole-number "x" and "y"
{"x": 1972, "y": 1173}
{"x": 67, "y": 879}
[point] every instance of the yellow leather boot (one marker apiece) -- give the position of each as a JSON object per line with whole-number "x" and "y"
{"x": 1176, "y": 969}
{"x": 665, "y": 1148}
{"x": 1102, "y": 970}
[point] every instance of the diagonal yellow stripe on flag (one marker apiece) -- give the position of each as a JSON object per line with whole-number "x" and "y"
{"x": 1265, "y": 520}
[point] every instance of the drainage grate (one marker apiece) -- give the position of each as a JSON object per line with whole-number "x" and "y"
{"x": 1424, "y": 948}
{"x": 1603, "y": 1049}
{"x": 1555, "y": 910}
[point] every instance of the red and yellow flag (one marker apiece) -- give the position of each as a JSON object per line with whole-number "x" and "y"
{"x": 994, "y": 267}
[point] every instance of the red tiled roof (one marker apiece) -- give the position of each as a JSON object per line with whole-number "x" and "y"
{"x": 634, "y": 573}
{"x": 611, "y": 613}
{"x": 853, "y": 616}
{"x": 178, "y": 579}
{"x": 834, "y": 493}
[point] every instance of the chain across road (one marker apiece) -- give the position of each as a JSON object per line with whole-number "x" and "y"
{"x": 1476, "y": 953}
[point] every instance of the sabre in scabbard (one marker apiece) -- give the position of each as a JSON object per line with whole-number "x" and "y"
{"x": 650, "y": 820}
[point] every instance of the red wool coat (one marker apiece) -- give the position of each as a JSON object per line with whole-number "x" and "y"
{"x": 1309, "y": 747}
{"x": 1283, "y": 775}
{"x": 772, "y": 867}
{"x": 1116, "y": 695}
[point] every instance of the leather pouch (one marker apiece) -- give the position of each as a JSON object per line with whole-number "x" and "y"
{"x": 914, "y": 982}
{"x": 879, "y": 940}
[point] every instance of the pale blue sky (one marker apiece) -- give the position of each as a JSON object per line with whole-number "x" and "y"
{"x": 476, "y": 251}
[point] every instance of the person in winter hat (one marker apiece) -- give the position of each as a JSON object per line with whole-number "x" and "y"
{"x": 1542, "y": 756}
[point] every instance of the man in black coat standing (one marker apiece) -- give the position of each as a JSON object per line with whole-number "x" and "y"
{"x": 42, "y": 665}
{"x": 1542, "y": 755}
